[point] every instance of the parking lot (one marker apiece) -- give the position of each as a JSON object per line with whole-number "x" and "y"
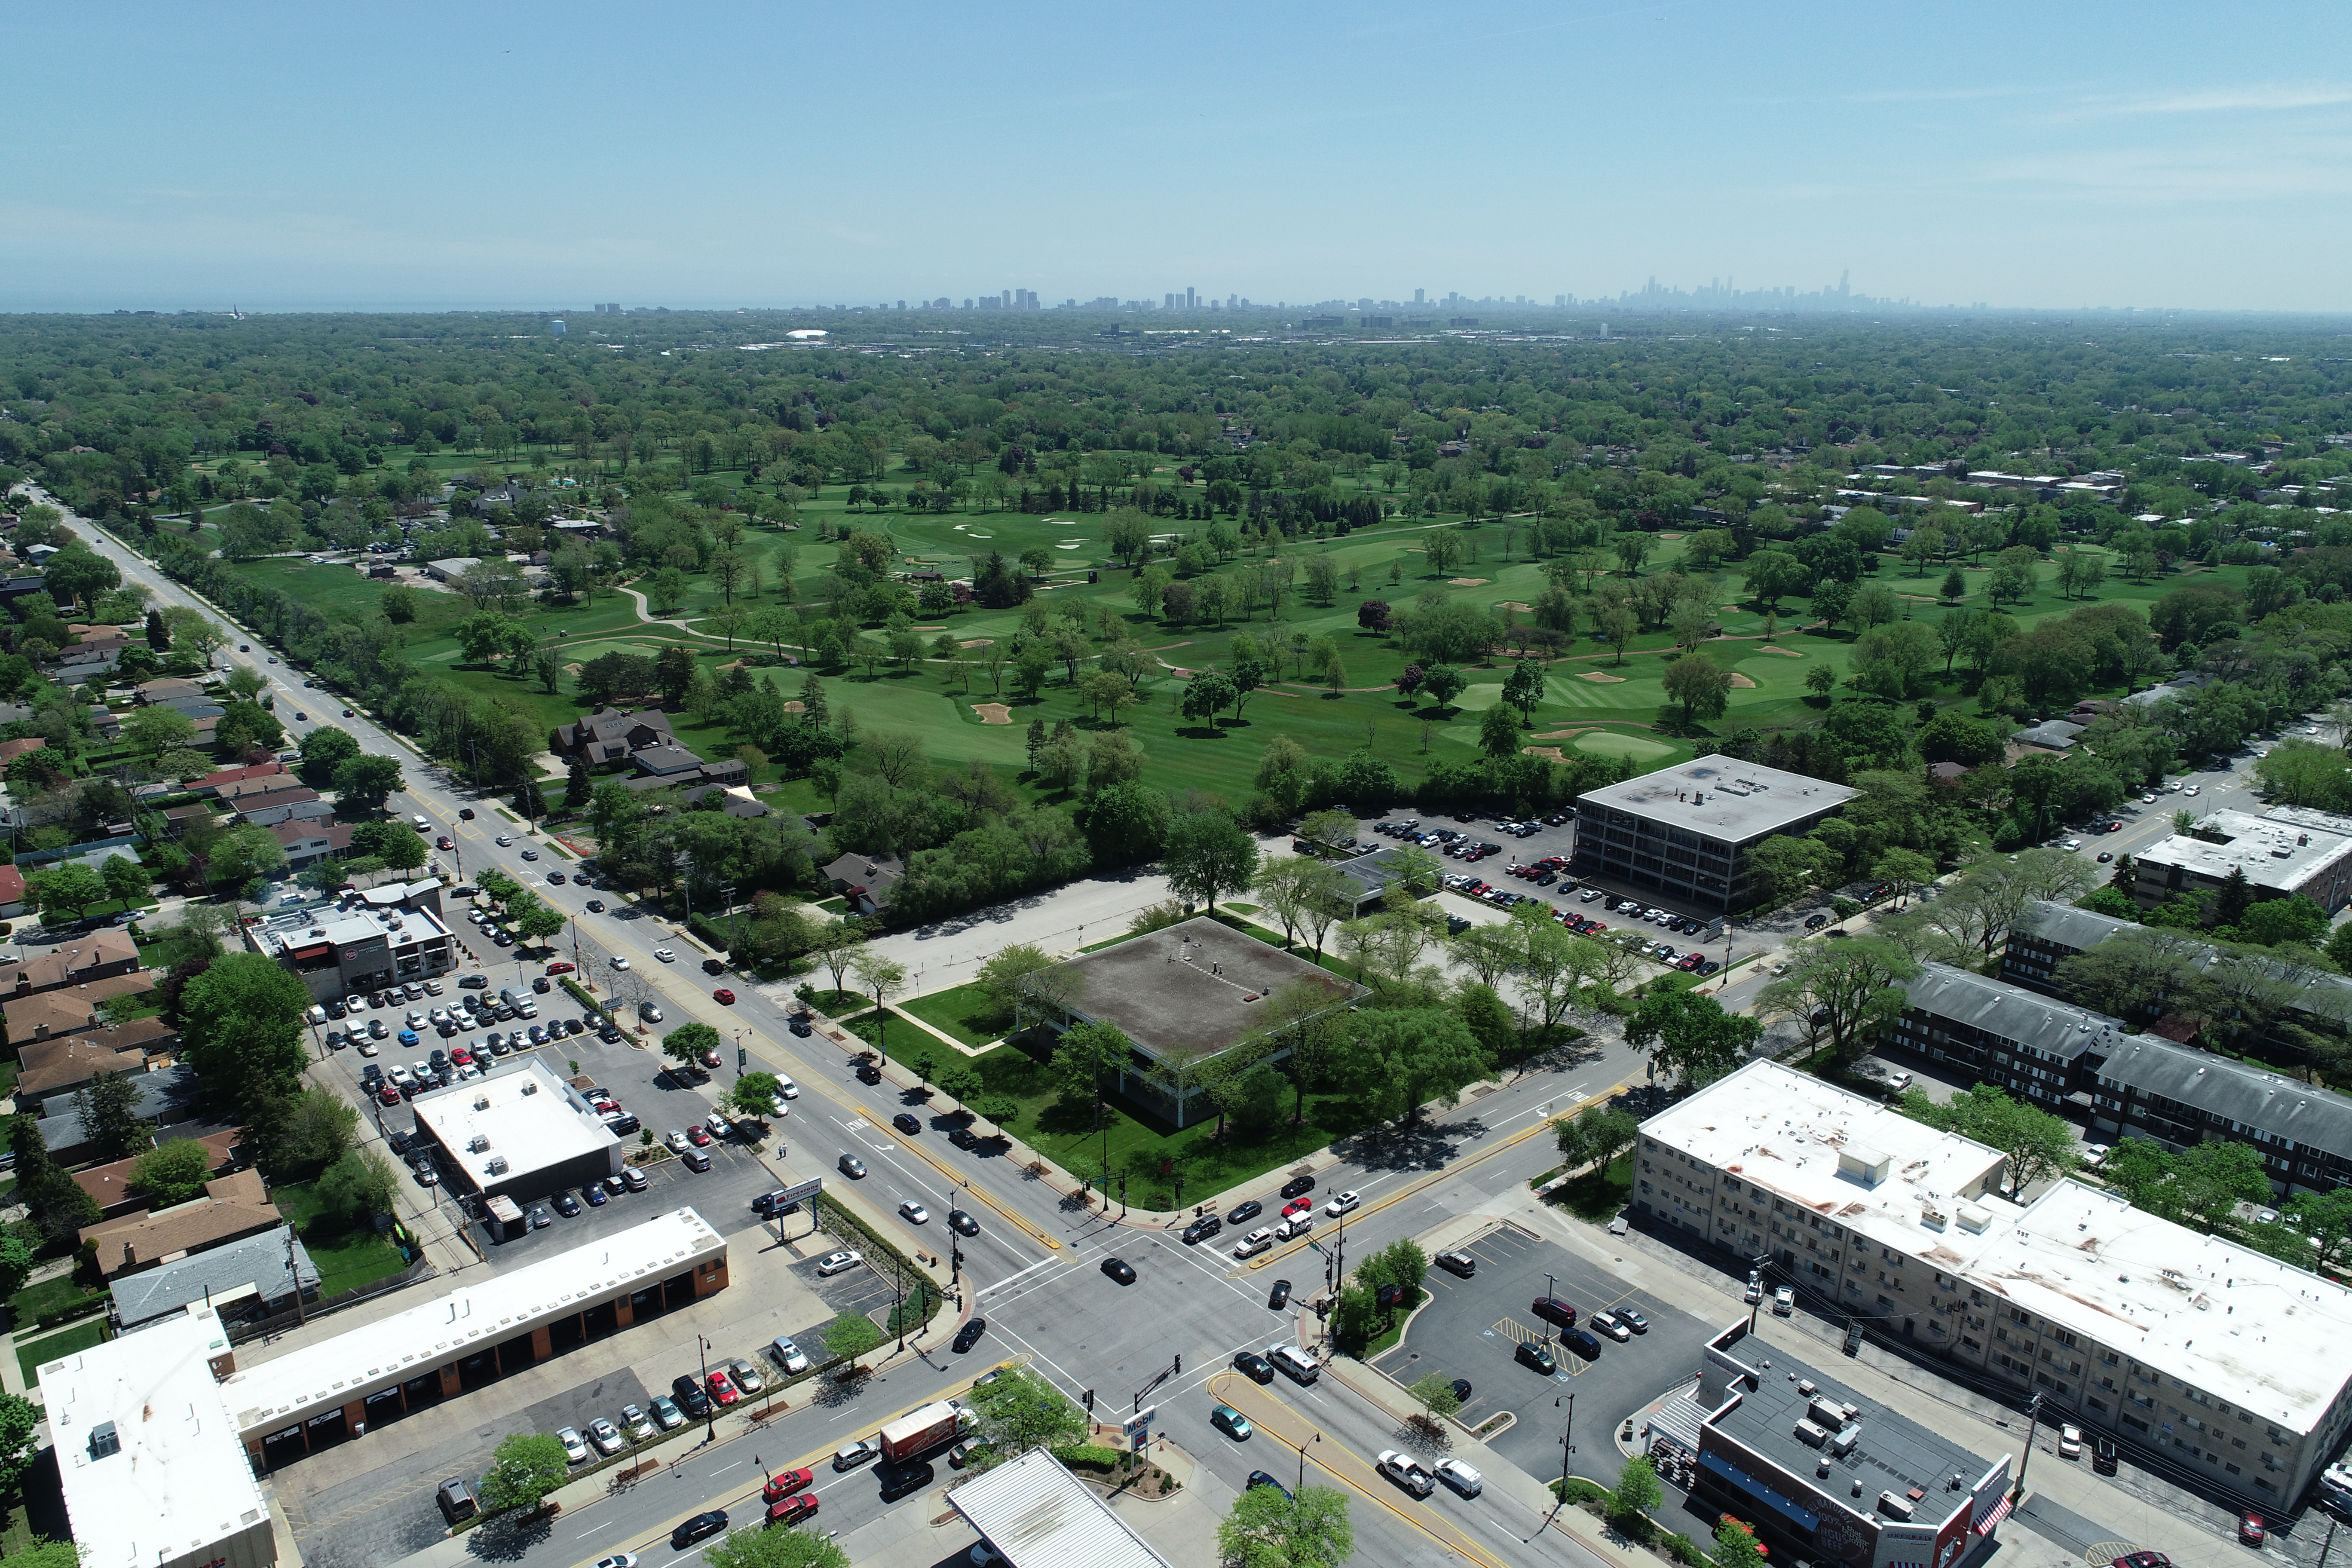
{"x": 1471, "y": 1330}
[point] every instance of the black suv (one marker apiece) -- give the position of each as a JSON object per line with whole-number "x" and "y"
{"x": 690, "y": 1398}
{"x": 1200, "y": 1229}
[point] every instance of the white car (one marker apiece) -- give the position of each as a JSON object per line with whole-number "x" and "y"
{"x": 573, "y": 1448}
{"x": 789, "y": 1355}
{"x": 2070, "y": 1441}
{"x": 2073, "y": 844}
{"x": 666, "y": 955}
{"x": 1406, "y": 1471}
{"x": 1605, "y": 1323}
{"x": 620, "y": 963}
{"x": 2192, "y": 789}
{"x": 1342, "y": 1203}
{"x": 677, "y": 1140}
{"x": 1461, "y": 1477}
{"x": 787, "y": 1088}
{"x": 776, "y": 1104}
{"x": 2095, "y": 1154}
{"x": 369, "y": 1047}
{"x": 719, "y": 1125}
{"x": 636, "y": 1423}
{"x": 834, "y": 1263}
{"x": 914, "y": 1213}
{"x": 2147, "y": 800}
{"x": 1778, "y": 969}
{"x": 607, "y": 1436}
{"x": 1784, "y": 1301}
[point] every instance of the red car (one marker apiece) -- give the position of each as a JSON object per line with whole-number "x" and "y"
{"x": 462, "y": 1057}
{"x": 2250, "y": 1528}
{"x": 1297, "y": 1205}
{"x": 723, "y": 995}
{"x": 444, "y": 842}
{"x": 784, "y": 1483}
{"x": 722, "y": 1390}
{"x": 793, "y": 1509}
{"x": 387, "y": 1095}
{"x": 561, "y": 966}
{"x": 698, "y": 1136}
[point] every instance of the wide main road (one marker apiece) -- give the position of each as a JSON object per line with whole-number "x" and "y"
{"x": 1034, "y": 1270}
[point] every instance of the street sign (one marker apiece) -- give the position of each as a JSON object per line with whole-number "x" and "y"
{"x": 743, "y": 1058}
{"x": 799, "y": 1192}
{"x": 1137, "y": 1430}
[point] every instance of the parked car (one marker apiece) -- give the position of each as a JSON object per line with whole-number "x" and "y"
{"x": 1406, "y": 1471}
{"x": 576, "y": 1448}
{"x": 839, "y": 1262}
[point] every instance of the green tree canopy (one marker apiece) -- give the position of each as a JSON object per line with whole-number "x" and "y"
{"x": 1267, "y": 1529}
{"x": 525, "y": 1467}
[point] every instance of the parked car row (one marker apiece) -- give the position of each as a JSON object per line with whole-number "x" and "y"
{"x": 593, "y": 1195}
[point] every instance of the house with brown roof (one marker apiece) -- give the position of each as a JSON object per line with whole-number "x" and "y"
{"x": 233, "y": 1206}
{"x": 166, "y": 689}
{"x": 72, "y": 1010}
{"x": 180, "y": 819}
{"x": 62, "y": 1065}
{"x": 11, "y": 750}
{"x": 236, "y": 790}
{"x": 296, "y": 804}
{"x": 211, "y": 782}
{"x": 307, "y": 843}
{"x": 103, "y": 954}
{"x": 110, "y": 1185}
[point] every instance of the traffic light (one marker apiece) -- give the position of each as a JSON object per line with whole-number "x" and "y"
{"x": 1090, "y": 1401}
{"x": 1178, "y": 1367}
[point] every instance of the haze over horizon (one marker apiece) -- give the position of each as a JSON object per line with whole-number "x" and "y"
{"x": 543, "y": 157}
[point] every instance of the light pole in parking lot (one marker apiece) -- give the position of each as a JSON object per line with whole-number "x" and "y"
{"x": 709, "y": 1405}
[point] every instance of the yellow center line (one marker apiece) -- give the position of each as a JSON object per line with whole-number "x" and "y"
{"x": 1372, "y": 1485}
{"x": 1414, "y": 1186}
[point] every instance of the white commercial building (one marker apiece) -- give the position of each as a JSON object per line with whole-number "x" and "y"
{"x": 519, "y": 1132}
{"x": 363, "y": 944}
{"x": 2290, "y": 850}
{"x": 1038, "y": 1515}
{"x": 2236, "y": 1366}
{"x": 153, "y": 1474}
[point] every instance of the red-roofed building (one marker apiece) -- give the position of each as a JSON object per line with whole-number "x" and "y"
{"x": 211, "y": 783}
{"x": 12, "y": 892}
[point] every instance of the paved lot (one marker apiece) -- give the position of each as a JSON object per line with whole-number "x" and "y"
{"x": 1471, "y": 1330}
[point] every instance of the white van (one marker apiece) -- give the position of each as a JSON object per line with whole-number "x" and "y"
{"x": 1296, "y": 1226}
{"x": 424, "y": 823}
{"x": 1297, "y": 1362}
{"x": 1253, "y": 1244}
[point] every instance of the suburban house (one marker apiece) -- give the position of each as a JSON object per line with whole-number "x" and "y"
{"x": 610, "y": 736}
{"x": 213, "y": 782}
{"x": 68, "y": 1010}
{"x": 164, "y": 1095}
{"x": 105, "y": 952}
{"x": 309, "y": 842}
{"x": 233, "y": 1206}
{"x": 12, "y": 892}
{"x": 166, "y": 689}
{"x": 60, "y": 1066}
{"x": 110, "y": 1185}
{"x": 865, "y": 880}
{"x": 284, "y": 805}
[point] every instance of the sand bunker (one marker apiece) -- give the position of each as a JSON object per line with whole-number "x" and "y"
{"x": 993, "y": 713}
{"x": 1785, "y": 652}
{"x": 1515, "y": 604}
{"x": 796, "y": 706}
{"x": 978, "y": 642}
{"x": 1740, "y": 680}
{"x": 1561, "y": 734}
{"x": 572, "y": 669}
{"x": 1596, "y": 675}
{"x": 1552, "y": 751}
{"x": 1469, "y": 581}
{"x": 1670, "y": 536}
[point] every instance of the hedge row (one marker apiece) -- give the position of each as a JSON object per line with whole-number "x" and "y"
{"x": 831, "y": 1213}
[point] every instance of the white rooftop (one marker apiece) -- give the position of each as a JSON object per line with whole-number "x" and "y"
{"x": 337, "y": 926}
{"x": 1040, "y": 1516}
{"x": 1723, "y": 797}
{"x": 2273, "y": 854}
{"x": 1837, "y": 1155}
{"x": 2261, "y": 1335}
{"x": 276, "y": 1394}
{"x": 180, "y": 1480}
{"x": 520, "y": 1112}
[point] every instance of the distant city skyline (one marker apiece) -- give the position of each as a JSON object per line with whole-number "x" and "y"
{"x": 283, "y": 157}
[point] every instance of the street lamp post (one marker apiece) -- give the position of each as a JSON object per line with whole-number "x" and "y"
{"x": 709, "y": 1405}
{"x": 2032, "y": 1420}
{"x": 1302, "y": 1460}
{"x": 1567, "y": 1442}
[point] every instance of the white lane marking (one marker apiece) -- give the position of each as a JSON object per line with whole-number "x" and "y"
{"x": 1009, "y": 1278}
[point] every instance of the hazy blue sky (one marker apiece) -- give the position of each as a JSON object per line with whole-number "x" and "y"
{"x": 286, "y": 156}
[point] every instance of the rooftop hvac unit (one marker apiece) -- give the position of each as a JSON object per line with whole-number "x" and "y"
{"x": 498, "y": 1167}
{"x": 531, "y": 1089}
{"x": 1811, "y": 1435}
{"x": 481, "y": 1102}
{"x": 1895, "y": 1505}
{"x": 1842, "y": 1444}
{"x": 477, "y": 1145}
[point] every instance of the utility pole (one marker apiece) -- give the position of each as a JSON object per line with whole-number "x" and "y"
{"x": 1567, "y": 1442}
{"x": 709, "y": 1405}
{"x": 2032, "y": 1420}
{"x": 293, "y": 1269}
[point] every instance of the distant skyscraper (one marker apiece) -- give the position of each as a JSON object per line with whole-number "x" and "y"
{"x": 1417, "y": 299}
{"x": 1191, "y": 300}
{"x": 1168, "y": 300}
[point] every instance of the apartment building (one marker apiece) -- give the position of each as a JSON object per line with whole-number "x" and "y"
{"x": 2029, "y": 1045}
{"x": 1686, "y": 834}
{"x": 2285, "y": 851}
{"x": 2233, "y": 1365}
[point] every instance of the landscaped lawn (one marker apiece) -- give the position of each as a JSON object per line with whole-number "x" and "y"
{"x": 1147, "y": 1151}
{"x": 1598, "y": 1195}
{"x": 26, "y": 1306}
{"x": 968, "y": 1012}
{"x": 31, "y": 1357}
{"x": 346, "y": 1259}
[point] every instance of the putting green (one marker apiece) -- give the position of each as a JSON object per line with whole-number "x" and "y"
{"x": 1478, "y": 698}
{"x": 1602, "y": 743}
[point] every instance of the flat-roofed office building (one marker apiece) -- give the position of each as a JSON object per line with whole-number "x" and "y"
{"x": 1686, "y": 834}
